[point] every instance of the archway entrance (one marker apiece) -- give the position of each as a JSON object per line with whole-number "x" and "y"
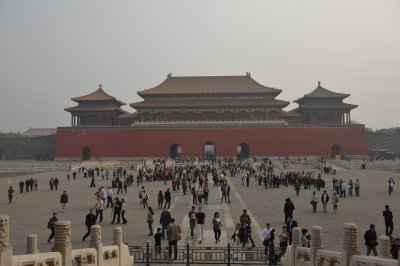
{"x": 209, "y": 150}
{"x": 175, "y": 151}
{"x": 85, "y": 153}
{"x": 243, "y": 151}
{"x": 335, "y": 150}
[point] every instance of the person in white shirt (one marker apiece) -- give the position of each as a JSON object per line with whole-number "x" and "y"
{"x": 99, "y": 208}
{"x": 343, "y": 189}
{"x": 268, "y": 233}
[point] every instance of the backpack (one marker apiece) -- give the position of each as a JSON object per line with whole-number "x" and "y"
{"x": 49, "y": 224}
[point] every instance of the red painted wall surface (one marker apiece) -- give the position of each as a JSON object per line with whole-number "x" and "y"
{"x": 134, "y": 142}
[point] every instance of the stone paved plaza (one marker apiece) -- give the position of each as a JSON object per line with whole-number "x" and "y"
{"x": 30, "y": 211}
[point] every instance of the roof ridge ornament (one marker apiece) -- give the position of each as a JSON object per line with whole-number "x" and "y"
{"x": 319, "y": 83}
{"x": 100, "y": 87}
{"x": 248, "y": 74}
{"x": 169, "y": 75}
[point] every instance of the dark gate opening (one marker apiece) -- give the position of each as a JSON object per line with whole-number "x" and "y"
{"x": 335, "y": 150}
{"x": 85, "y": 153}
{"x": 243, "y": 151}
{"x": 175, "y": 151}
{"x": 209, "y": 151}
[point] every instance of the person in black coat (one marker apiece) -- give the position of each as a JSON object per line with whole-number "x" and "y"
{"x": 291, "y": 223}
{"x": 89, "y": 222}
{"x": 371, "y": 240}
{"x": 167, "y": 197}
{"x": 388, "y": 215}
{"x": 288, "y": 209}
{"x": 165, "y": 220}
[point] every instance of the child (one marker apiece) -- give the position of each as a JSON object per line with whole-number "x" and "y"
{"x": 238, "y": 235}
{"x": 157, "y": 239}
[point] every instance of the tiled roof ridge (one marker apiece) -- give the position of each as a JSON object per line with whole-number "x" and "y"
{"x": 328, "y": 93}
{"x": 200, "y": 85}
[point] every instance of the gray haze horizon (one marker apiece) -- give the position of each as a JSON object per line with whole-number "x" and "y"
{"x": 51, "y": 51}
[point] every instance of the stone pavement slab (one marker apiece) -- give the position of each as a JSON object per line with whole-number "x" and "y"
{"x": 30, "y": 211}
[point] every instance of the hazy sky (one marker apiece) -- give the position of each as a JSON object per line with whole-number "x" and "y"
{"x": 51, "y": 51}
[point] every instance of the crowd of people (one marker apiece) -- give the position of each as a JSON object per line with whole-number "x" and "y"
{"x": 195, "y": 180}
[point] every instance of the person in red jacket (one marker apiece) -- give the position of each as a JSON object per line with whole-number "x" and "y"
{"x": 64, "y": 201}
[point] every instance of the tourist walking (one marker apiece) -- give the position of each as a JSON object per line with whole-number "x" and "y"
{"x": 173, "y": 236}
{"x": 92, "y": 183}
{"x": 324, "y": 200}
{"x": 10, "y": 194}
{"x": 371, "y": 240}
{"x": 167, "y": 198}
{"x": 297, "y": 187}
{"x": 90, "y": 220}
{"x": 351, "y": 185}
{"x": 145, "y": 198}
{"x": 228, "y": 193}
{"x": 200, "y": 219}
{"x": 343, "y": 189}
{"x": 109, "y": 197}
{"x": 291, "y": 223}
{"x": 160, "y": 199}
{"x": 388, "y": 216}
{"x": 335, "y": 201}
{"x": 245, "y": 222}
{"x": 21, "y": 187}
{"x": 51, "y": 224}
{"x": 123, "y": 210}
{"x": 268, "y": 234}
{"x": 192, "y": 220}
{"x": 283, "y": 240}
{"x": 56, "y": 183}
{"x": 304, "y": 238}
{"x": 149, "y": 220}
{"x": 357, "y": 186}
{"x": 216, "y": 222}
{"x": 157, "y": 240}
{"x": 223, "y": 190}
{"x": 205, "y": 195}
{"x": 238, "y": 235}
{"x": 64, "y": 201}
{"x": 165, "y": 219}
{"x": 288, "y": 209}
{"x": 391, "y": 185}
{"x": 99, "y": 208}
{"x": 116, "y": 211}
{"x": 194, "y": 195}
{"x": 314, "y": 201}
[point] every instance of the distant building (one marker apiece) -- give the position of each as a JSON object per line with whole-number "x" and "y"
{"x": 322, "y": 106}
{"x": 39, "y": 132}
{"x": 213, "y": 116}
{"x": 96, "y": 109}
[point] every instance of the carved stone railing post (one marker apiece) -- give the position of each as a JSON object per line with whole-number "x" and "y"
{"x": 117, "y": 240}
{"x": 316, "y": 243}
{"x": 350, "y": 245}
{"x": 31, "y": 244}
{"x": 62, "y": 241}
{"x": 95, "y": 242}
{"x": 117, "y": 236}
{"x": 296, "y": 242}
{"x": 384, "y": 244}
{"x": 5, "y": 248}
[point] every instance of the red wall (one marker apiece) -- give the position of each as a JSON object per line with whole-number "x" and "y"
{"x": 134, "y": 142}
